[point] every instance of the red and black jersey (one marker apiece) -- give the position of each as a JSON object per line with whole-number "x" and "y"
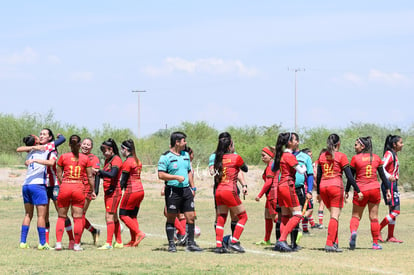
{"x": 332, "y": 168}
{"x": 231, "y": 168}
{"x": 134, "y": 169}
{"x": 365, "y": 166}
{"x": 73, "y": 168}
{"x": 114, "y": 161}
{"x": 288, "y": 162}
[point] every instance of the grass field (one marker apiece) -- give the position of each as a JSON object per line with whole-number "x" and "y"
{"x": 151, "y": 256}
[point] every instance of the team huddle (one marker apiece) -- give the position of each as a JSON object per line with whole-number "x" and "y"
{"x": 72, "y": 181}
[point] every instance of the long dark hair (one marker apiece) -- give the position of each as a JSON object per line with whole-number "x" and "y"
{"x": 367, "y": 143}
{"x": 282, "y": 141}
{"x": 332, "y": 141}
{"x": 50, "y": 133}
{"x": 223, "y": 145}
{"x": 390, "y": 141}
{"x": 30, "y": 140}
{"x": 111, "y": 143}
{"x": 130, "y": 146}
{"x": 74, "y": 143}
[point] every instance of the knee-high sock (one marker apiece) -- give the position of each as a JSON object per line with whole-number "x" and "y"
{"x": 269, "y": 228}
{"x": 277, "y": 229}
{"x": 375, "y": 230}
{"x": 47, "y": 231}
{"x": 130, "y": 223}
{"x": 41, "y": 231}
{"x": 311, "y": 221}
{"x": 233, "y": 226}
{"x": 78, "y": 229}
{"x": 292, "y": 223}
{"x": 294, "y": 234}
{"x": 221, "y": 220}
{"x": 284, "y": 221}
{"x": 23, "y": 233}
{"x": 305, "y": 222}
{"x": 320, "y": 217}
{"x": 391, "y": 217}
{"x": 170, "y": 230}
{"x": 68, "y": 227}
{"x": 87, "y": 225}
{"x": 110, "y": 229}
{"x": 190, "y": 232}
{"x": 117, "y": 232}
{"x": 239, "y": 227}
{"x": 354, "y": 224}
{"x": 179, "y": 227}
{"x": 332, "y": 231}
{"x": 60, "y": 229}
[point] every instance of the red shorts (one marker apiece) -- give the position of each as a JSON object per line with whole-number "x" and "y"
{"x": 287, "y": 197}
{"x": 112, "y": 202}
{"x": 71, "y": 194}
{"x": 132, "y": 200}
{"x": 271, "y": 205}
{"x": 332, "y": 196}
{"x": 370, "y": 196}
{"x": 228, "y": 198}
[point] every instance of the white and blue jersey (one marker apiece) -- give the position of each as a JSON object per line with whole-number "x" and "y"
{"x": 36, "y": 173}
{"x": 176, "y": 165}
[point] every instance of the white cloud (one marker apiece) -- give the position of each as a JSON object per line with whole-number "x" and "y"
{"x": 81, "y": 76}
{"x": 27, "y": 56}
{"x": 203, "y": 65}
{"x": 390, "y": 78}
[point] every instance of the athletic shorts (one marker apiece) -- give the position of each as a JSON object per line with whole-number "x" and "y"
{"x": 332, "y": 196}
{"x": 71, "y": 194}
{"x": 131, "y": 201}
{"x": 286, "y": 196}
{"x": 271, "y": 206}
{"x": 227, "y": 198}
{"x": 35, "y": 194}
{"x": 179, "y": 199}
{"x": 395, "y": 195}
{"x": 50, "y": 194}
{"x": 112, "y": 201}
{"x": 370, "y": 196}
{"x": 214, "y": 195}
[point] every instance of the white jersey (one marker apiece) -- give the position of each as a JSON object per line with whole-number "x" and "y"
{"x": 36, "y": 173}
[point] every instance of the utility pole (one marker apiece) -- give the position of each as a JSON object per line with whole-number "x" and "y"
{"x": 139, "y": 111}
{"x": 296, "y": 70}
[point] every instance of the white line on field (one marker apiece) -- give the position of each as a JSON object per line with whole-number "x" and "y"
{"x": 272, "y": 254}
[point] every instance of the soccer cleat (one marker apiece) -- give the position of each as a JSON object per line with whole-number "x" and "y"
{"x": 44, "y": 247}
{"x": 306, "y": 232}
{"x": 106, "y": 246}
{"x": 220, "y": 250}
{"x": 193, "y": 247}
{"x": 172, "y": 248}
{"x": 130, "y": 244}
{"x": 263, "y": 242}
{"x": 352, "y": 241}
{"x": 283, "y": 247}
{"x": 141, "y": 235}
{"x": 236, "y": 247}
{"x": 58, "y": 246}
{"x": 226, "y": 241}
{"x": 376, "y": 246}
{"x": 394, "y": 240}
{"x": 332, "y": 248}
{"x": 24, "y": 246}
{"x": 295, "y": 247}
{"x": 118, "y": 245}
{"x": 71, "y": 245}
{"x": 77, "y": 247}
{"x": 182, "y": 239}
{"x": 95, "y": 235}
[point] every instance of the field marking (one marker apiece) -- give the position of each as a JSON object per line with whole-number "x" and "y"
{"x": 294, "y": 255}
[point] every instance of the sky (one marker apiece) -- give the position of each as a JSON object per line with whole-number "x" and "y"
{"x": 228, "y": 63}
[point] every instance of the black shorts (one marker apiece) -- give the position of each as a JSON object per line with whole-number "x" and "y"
{"x": 300, "y": 192}
{"x": 395, "y": 195}
{"x": 179, "y": 199}
{"x": 50, "y": 194}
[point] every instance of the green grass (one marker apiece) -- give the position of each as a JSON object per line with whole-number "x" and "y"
{"x": 151, "y": 256}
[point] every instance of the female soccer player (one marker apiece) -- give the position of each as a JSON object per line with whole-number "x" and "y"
{"x": 287, "y": 198}
{"x": 34, "y": 190}
{"x": 331, "y": 165}
{"x": 70, "y": 169}
{"x": 365, "y": 166}
{"x": 270, "y": 189}
{"x": 393, "y": 144}
{"x": 133, "y": 194}
{"x": 110, "y": 174}
{"x": 227, "y": 166}
{"x": 86, "y": 148}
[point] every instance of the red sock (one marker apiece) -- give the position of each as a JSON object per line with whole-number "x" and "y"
{"x": 384, "y": 223}
{"x": 129, "y": 222}
{"x": 239, "y": 227}
{"x": 332, "y": 231}
{"x": 284, "y": 220}
{"x": 375, "y": 230}
{"x": 183, "y": 224}
{"x": 135, "y": 220}
{"x": 391, "y": 227}
{"x": 110, "y": 227}
{"x": 117, "y": 232}
{"x": 60, "y": 229}
{"x": 289, "y": 227}
{"x": 311, "y": 221}
{"x": 47, "y": 232}
{"x": 88, "y": 226}
{"x": 179, "y": 227}
{"x": 221, "y": 220}
{"x": 269, "y": 228}
{"x": 320, "y": 217}
{"x": 354, "y": 224}
{"x": 78, "y": 228}
{"x": 68, "y": 227}
{"x": 305, "y": 224}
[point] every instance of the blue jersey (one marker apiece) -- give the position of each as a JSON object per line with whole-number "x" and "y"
{"x": 303, "y": 159}
{"x": 175, "y": 165}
